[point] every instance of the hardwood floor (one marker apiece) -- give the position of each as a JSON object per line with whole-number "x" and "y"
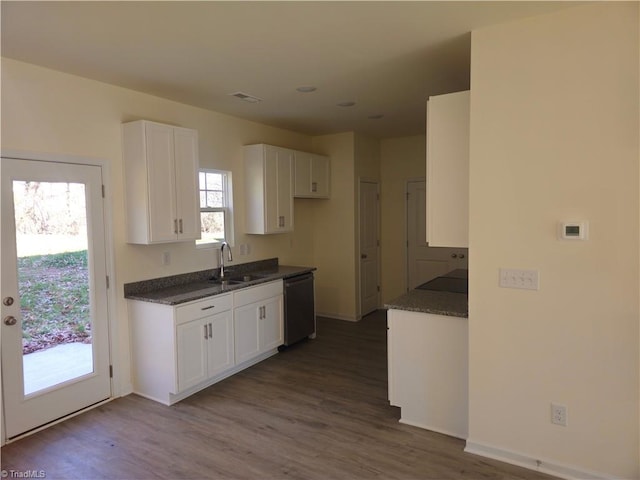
{"x": 318, "y": 410}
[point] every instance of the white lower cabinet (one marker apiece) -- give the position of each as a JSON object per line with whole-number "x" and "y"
{"x": 179, "y": 350}
{"x": 258, "y": 321}
{"x": 205, "y": 348}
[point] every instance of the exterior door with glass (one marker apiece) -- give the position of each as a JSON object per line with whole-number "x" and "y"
{"x": 55, "y": 343}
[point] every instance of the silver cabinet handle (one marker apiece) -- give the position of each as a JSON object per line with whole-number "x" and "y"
{"x": 208, "y": 308}
{"x": 314, "y": 186}
{"x": 175, "y": 226}
{"x": 180, "y": 226}
{"x": 210, "y": 331}
{"x": 281, "y": 221}
{"x": 205, "y": 333}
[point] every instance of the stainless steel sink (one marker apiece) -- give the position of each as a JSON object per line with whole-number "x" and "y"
{"x": 226, "y": 282}
{"x": 237, "y": 280}
{"x": 246, "y": 278}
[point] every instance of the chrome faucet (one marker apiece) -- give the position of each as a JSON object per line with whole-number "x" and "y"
{"x": 229, "y": 257}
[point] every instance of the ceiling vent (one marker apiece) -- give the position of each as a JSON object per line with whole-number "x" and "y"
{"x": 246, "y": 97}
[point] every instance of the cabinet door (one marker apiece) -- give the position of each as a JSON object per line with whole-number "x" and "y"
{"x": 311, "y": 175}
{"x": 302, "y": 174}
{"x": 271, "y": 325}
{"x": 448, "y": 170}
{"x": 192, "y": 345}
{"x": 246, "y": 341}
{"x": 285, "y": 191}
{"x": 278, "y": 189}
{"x": 220, "y": 348}
{"x": 161, "y": 205}
{"x": 270, "y": 173}
{"x": 186, "y": 174}
{"x": 320, "y": 176}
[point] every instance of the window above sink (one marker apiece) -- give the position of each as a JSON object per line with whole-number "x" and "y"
{"x": 216, "y": 207}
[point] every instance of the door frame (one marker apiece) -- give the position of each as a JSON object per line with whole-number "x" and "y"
{"x": 362, "y": 180}
{"x": 113, "y": 330}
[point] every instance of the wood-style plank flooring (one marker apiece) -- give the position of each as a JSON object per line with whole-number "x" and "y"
{"x": 318, "y": 410}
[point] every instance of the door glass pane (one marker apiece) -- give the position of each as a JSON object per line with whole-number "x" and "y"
{"x": 53, "y": 282}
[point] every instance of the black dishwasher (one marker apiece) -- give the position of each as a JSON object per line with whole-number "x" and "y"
{"x": 299, "y": 308}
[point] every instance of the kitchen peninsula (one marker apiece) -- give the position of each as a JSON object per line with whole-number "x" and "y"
{"x": 428, "y": 355}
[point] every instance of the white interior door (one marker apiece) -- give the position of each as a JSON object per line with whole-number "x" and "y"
{"x": 369, "y": 248}
{"x": 55, "y": 344}
{"x": 425, "y": 263}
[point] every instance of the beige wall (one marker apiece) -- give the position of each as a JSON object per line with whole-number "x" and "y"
{"x": 402, "y": 159}
{"x": 554, "y": 136}
{"x": 52, "y": 112}
{"x": 334, "y": 231}
{"x": 367, "y": 168}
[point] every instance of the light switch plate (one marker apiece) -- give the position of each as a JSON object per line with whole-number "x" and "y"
{"x": 519, "y": 278}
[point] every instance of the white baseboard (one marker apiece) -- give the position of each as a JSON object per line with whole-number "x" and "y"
{"x": 540, "y": 465}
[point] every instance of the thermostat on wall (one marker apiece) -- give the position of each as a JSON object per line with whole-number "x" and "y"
{"x": 574, "y": 230}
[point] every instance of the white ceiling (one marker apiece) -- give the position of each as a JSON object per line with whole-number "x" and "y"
{"x": 388, "y": 57}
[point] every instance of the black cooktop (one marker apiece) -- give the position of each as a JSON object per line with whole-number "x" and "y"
{"x": 454, "y": 282}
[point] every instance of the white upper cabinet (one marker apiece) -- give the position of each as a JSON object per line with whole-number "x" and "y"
{"x": 268, "y": 189}
{"x": 448, "y": 170}
{"x": 312, "y": 175}
{"x": 161, "y": 174}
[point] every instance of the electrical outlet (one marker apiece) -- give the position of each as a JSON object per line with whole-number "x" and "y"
{"x": 559, "y": 414}
{"x": 166, "y": 258}
{"x": 516, "y": 278}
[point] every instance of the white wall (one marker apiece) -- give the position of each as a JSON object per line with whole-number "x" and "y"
{"x": 554, "y": 136}
{"x": 52, "y": 112}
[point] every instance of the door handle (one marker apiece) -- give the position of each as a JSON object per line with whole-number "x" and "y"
{"x": 10, "y": 320}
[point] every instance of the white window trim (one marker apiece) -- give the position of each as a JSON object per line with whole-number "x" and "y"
{"x": 228, "y": 210}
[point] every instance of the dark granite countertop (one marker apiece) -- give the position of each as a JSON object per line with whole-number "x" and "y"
{"x": 437, "y": 302}
{"x": 187, "y": 287}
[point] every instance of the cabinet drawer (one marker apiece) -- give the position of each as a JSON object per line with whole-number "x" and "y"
{"x": 257, "y": 293}
{"x": 203, "y": 308}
